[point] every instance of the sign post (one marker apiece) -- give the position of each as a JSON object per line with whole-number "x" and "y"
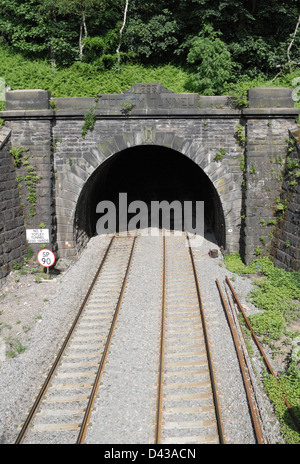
{"x": 46, "y": 258}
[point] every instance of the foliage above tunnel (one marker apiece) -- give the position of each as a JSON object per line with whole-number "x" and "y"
{"x": 216, "y": 44}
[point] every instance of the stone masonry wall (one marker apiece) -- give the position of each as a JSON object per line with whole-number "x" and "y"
{"x": 35, "y": 174}
{"x": 12, "y": 231}
{"x": 266, "y": 152}
{"x": 200, "y": 139}
{"x": 61, "y": 161}
{"x": 286, "y": 243}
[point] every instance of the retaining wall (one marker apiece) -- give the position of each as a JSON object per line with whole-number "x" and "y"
{"x": 286, "y": 243}
{"x": 12, "y": 230}
{"x": 248, "y": 178}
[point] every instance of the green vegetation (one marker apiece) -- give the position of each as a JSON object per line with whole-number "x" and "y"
{"x": 220, "y": 155}
{"x": 211, "y": 62}
{"x": 240, "y": 136}
{"x": 257, "y": 251}
{"x": 127, "y": 107}
{"x": 277, "y": 293}
{"x": 15, "y": 347}
{"x": 16, "y": 153}
{"x": 83, "y": 48}
{"x": 91, "y": 47}
{"x": 89, "y": 121}
{"x": 84, "y": 79}
{"x": 290, "y": 386}
{"x": 262, "y": 239}
{"x": 29, "y": 178}
{"x": 279, "y": 205}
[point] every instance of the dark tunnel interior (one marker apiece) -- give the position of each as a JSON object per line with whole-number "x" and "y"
{"x": 149, "y": 173}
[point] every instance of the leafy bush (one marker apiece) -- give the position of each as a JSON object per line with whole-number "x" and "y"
{"x": 84, "y": 79}
{"x": 212, "y": 63}
{"x": 96, "y": 47}
{"x": 154, "y": 39}
{"x": 89, "y": 121}
{"x": 238, "y": 88}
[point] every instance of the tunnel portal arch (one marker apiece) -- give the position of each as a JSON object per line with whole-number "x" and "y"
{"x": 148, "y": 173}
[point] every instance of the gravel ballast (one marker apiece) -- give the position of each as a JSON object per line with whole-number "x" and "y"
{"x": 49, "y": 312}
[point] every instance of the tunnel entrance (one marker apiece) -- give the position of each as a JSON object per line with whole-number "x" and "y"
{"x": 148, "y": 174}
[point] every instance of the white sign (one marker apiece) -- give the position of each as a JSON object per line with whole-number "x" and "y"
{"x": 37, "y": 235}
{"x": 46, "y": 257}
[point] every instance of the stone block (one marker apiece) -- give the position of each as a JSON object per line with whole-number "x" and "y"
{"x": 215, "y": 102}
{"x": 270, "y": 97}
{"x": 27, "y": 100}
{"x": 4, "y": 136}
{"x": 73, "y": 103}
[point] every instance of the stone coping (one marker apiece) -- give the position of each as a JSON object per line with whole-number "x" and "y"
{"x": 149, "y": 99}
{"x": 4, "y": 136}
{"x": 225, "y": 113}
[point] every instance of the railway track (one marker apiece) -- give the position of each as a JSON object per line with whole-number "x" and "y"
{"x": 187, "y": 408}
{"x": 187, "y": 401}
{"x": 62, "y": 409}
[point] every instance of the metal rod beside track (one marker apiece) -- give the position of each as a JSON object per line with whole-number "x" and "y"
{"x": 265, "y": 359}
{"x": 252, "y": 406}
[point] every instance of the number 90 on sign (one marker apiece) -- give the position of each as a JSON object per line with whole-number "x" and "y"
{"x": 46, "y": 258}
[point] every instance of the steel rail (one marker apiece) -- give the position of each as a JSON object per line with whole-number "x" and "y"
{"x": 157, "y": 436}
{"x": 49, "y": 377}
{"x": 265, "y": 359}
{"x": 88, "y": 411}
{"x": 208, "y": 351}
{"x": 248, "y": 389}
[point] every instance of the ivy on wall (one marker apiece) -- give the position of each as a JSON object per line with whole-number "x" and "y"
{"x": 28, "y": 178}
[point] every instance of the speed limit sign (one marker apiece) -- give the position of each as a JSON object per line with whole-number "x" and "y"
{"x": 46, "y": 257}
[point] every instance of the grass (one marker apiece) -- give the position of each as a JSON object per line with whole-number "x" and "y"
{"x": 15, "y": 347}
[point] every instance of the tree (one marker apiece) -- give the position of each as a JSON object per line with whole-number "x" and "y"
{"x": 35, "y": 28}
{"x": 291, "y": 44}
{"x": 60, "y": 39}
{"x": 153, "y": 40}
{"x": 81, "y": 9}
{"x": 121, "y": 32}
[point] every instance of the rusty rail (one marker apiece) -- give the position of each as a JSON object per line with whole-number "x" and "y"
{"x": 209, "y": 356}
{"x": 265, "y": 359}
{"x": 157, "y": 436}
{"x": 85, "y": 422}
{"x": 159, "y": 402}
{"x": 91, "y": 399}
{"x": 248, "y": 389}
{"x": 52, "y": 371}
